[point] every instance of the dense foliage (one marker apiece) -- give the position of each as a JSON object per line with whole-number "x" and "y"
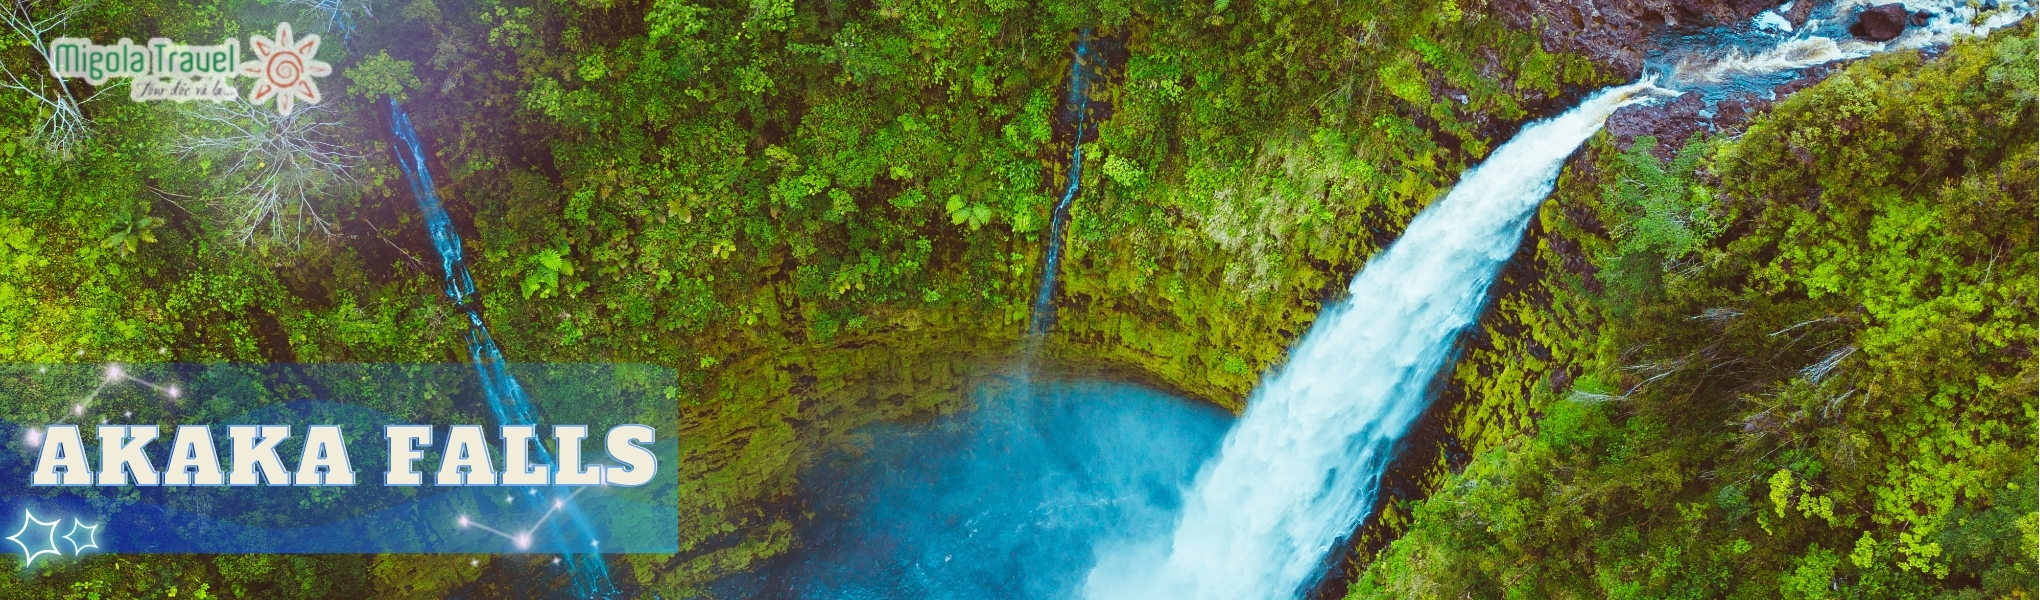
{"x": 824, "y": 214}
{"x": 1804, "y": 354}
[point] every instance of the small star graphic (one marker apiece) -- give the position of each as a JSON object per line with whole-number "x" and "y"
{"x": 29, "y": 555}
{"x": 91, "y": 536}
{"x": 284, "y": 68}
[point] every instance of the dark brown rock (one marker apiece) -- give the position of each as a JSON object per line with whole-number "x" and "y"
{"x": 1671, "y": 123}
{"x": 1800, "y": 11}
{"x": 1919, "y": 19}
{"x": 1880, "y": 23}
{"x": 1807, "y": 78}
{"x": 1737, "y": 109}
{"x": 1618, "y": 33}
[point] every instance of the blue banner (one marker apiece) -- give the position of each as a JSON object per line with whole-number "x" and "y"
{"x": 335, "y": 458}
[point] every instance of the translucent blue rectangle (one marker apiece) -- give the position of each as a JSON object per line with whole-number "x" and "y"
{"x": 367, "y": 517}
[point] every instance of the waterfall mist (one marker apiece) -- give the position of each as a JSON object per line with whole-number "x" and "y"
{"x": 1003, "y": 501}
{"x": 1297, "y": 473}
{"x": 1032, "y": 496}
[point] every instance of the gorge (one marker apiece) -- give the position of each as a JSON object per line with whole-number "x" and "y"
{"x": 1050, "y": 300}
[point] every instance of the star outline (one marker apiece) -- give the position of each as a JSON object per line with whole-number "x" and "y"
{"x": 31, "y": 556}
{"x": 91, "y": 536}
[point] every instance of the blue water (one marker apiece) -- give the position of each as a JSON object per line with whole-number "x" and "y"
{"x": 1082, "y": 74}
{"x": 507, "y": 399}
{"x": 1012, "y": 500}
{"x": 1752, "y": 58}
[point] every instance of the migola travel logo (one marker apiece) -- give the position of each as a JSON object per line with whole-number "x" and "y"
{"x": 162, "y": 69}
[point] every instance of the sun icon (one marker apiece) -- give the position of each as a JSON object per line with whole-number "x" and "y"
{"x": 284, "y": 68}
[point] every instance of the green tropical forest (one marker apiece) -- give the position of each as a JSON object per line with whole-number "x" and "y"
{"x": 1782, "y": 346}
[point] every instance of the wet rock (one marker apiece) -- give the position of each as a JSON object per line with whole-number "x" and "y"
{"x": 1671, "y": 123}
{"x": 1810, "y": 76}
{"x": 1103, "y": 66}
{"x": 1787, "y": 88}
{"x": 1919, "y": 19}
{"x": 1799, "y": 13}
{"x": 1744, "y": 9}
{"x": 1573, "y": 260}
{"x": 1880, "y": 23}
{"x": 1619, "y": 33}
{"x": 1738, "y": 109}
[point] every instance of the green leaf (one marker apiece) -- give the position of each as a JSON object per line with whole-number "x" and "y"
{"x": 380, "y": 75}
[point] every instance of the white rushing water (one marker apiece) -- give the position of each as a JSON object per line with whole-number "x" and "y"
{"x": 1298, "y": 471}
{"x": 1824, "y": 40}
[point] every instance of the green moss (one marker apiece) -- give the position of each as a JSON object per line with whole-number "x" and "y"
{"x": 1772, "y": 409}
{"x": 767, "y": 199}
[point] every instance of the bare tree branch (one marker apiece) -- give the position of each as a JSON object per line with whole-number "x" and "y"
{"x": 283, "y": 163}
{"x": 340, "y": 14}
{"x": 63, "y": 126}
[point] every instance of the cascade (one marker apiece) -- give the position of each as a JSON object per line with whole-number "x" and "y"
{"x": 1297, "y": 472}
{"x": 1300, "y": 469}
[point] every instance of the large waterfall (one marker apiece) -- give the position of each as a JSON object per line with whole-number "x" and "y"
{"x": 1298, "y": 470}
{"x": 1057, "y": 491}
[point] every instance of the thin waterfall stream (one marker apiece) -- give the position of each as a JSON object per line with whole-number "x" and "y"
{"x": 507, "y": 399}
{"x": 1103, "y": 491}
{"x": 962, "y": 508}
{"x": 1720, "y": 298}
{"x": 1084, "y": 73}
{"x": 1051, "y": 490}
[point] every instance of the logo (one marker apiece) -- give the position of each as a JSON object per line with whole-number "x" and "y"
{"x": 284, "y": 68}
{"x": 163, "y": 69}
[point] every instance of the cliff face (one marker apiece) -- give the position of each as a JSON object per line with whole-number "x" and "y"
{"x": 838, "y": 220}
{"x": 1617, "y": 33}
{"x": 1657, "y": 415}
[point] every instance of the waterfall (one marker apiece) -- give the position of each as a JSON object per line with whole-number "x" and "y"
{"x": 1297, "y": 472}
{"x": 505, "y": 396}
{"x": 1023, "y": 498}
{"x": 1079, "y": 99}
